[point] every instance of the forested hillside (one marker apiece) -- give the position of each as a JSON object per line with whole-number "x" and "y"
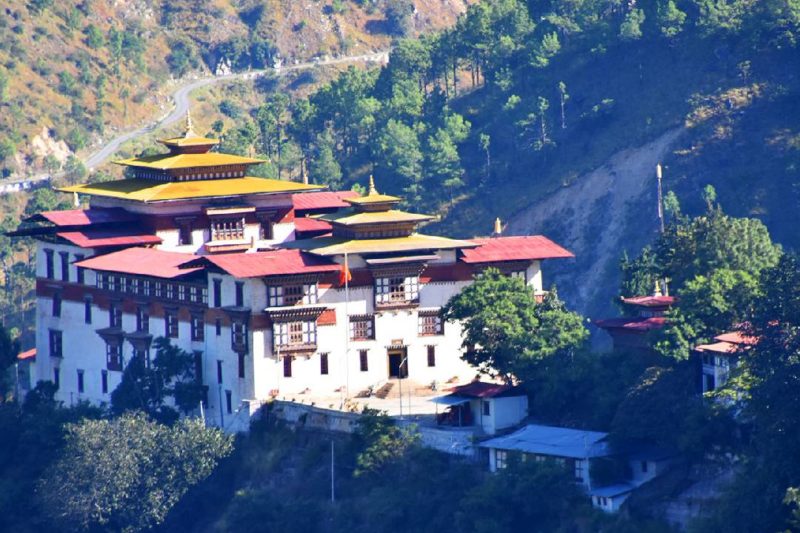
{"x": 518, "y": 101}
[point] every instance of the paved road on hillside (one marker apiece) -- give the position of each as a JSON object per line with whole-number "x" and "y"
{"x": 181, "y": 99}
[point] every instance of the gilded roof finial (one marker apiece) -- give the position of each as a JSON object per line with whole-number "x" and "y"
{"x": 498, "y": 226}
{"x": 657, "y": 291}
{"x": 189, "y": 130}
{"x": 372, "y": 190}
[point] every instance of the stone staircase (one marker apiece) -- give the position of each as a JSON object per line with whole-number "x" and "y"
{"x": 383, "y": 391}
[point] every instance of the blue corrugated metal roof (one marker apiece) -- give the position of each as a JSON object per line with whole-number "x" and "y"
{"x": 554, "y": 441}
{"x": 611, "y": 491}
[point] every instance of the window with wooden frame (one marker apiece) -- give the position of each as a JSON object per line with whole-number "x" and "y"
{"x": 396, "y": 290}
{"x": 104, "y": 381}
{"x": 64, "y": 265}
{"x": 239, "y": 336}
{"x": 55, "y": 338}
{"x": 323, "y": 364}
{"x": 227, "y": 229}
{"x": 295, "y": 334}
{"x": 87, "y": 310}
{"x": 362, "y": 327}
{"x": 81, "y": 383}
{"x": 239, "y": 292}
{"x": 115, "y": 315}
{"x": 520, "y": 274}
{"x": 431, "y": 356}
{"x": 113, "y": 356}
{"x": 171, "y": 323}
{"x": 289, "y": 295}
{"x": 142, "y": 319}
{"x": 287, "y": 366}
{"x": 500, "y": 459}
{"x": 81, "y": 272}
{"x": 430, "y": 323}
{"x": 265, "y": 229}
{"x": 363, "y": 360}
{"x": 49, "y": 266}
{"x": 184, "y": 231}
{"x": 217, "y": 292}
{"x": 57, "y": 304}
{"x": 198, "y": 327}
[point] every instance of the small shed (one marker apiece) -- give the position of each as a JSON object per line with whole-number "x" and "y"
{"x": 574, "y": 448}
{"x": 490, "y": 406}
{"x": 611, "y": 497}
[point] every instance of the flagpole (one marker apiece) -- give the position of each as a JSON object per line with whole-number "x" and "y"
{"x": 346, "y": 327}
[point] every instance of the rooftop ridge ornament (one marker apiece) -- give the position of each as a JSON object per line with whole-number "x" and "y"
{"x": 189, "y": 129}
{"x": 372, "y": 190}
{"x": 657, "y": 291}
{"x": 498, "y": 227}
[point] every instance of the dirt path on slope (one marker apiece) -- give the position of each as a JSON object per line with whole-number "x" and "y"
{"x": 593, "y": 216}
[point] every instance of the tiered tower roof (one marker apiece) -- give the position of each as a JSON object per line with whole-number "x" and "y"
{"x": 188, "y": 171}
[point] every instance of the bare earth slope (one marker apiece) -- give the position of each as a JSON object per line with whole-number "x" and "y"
{"x": 593, "y": 218}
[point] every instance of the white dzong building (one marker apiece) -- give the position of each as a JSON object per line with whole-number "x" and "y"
{"x": 277, "y": 287}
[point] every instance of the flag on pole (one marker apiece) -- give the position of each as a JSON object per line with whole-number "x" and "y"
{"x": 344, "y": 275}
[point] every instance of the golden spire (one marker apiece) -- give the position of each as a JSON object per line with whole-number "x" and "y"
{"x": 372, "y": 190}
{"x": 657, "y": 291}
{"x": 498, "y": 226}
{"x": 189, "y": 130}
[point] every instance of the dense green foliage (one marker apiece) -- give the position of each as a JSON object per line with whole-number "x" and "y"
{"x": 769, "y": 468}
{"x": 163, "y": 388}
{"x": 126, "y": 474}
{"x": 385, "y": 442}
{"x": 713, "y": 262}
{"x": 506, "y": 332}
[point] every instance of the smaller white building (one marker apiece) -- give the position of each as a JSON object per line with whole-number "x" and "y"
{"x": 573, "y": 448}
{"x": 717, "y": 359}
{"x": 576, "y": 449}
{"x": 611, "y": 497}
{"x": 490, "y": 407}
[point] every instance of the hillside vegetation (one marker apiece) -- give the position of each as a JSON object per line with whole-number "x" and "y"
{"x": 529, "y": 107}
{"x": 84, "y": 69}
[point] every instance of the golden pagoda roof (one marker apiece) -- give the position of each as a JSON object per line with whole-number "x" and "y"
{"x": 189, "y": 141}
{"x": 189, "y": 138}
{"x": 373, "y": 197}
{"x": 328, "y": 246}
{"x": 349, "y": 218}
{"x": 175, "y": 161}
{"x": 142, "y": 190}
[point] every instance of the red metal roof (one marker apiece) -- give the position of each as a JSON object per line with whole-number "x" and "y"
{"x": 87, "y": 217}
{"x": 327, "y": 318}
{"x": 322, "y": 200}
{"x": 27, "y": 354}
{"x": 100, "y": 238}
{"x": 737, "y": 337}
{"x": 271, "y": 263}
{"x": 303, "y": 224}
{"x": 481, "y": 389}
{"x": 527, "y": 248}
{"x": 639, "y": 325}
{"x": 725, "y": 348}
{"x": 650, "y": 301}
{"x": 142, "y": 262}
